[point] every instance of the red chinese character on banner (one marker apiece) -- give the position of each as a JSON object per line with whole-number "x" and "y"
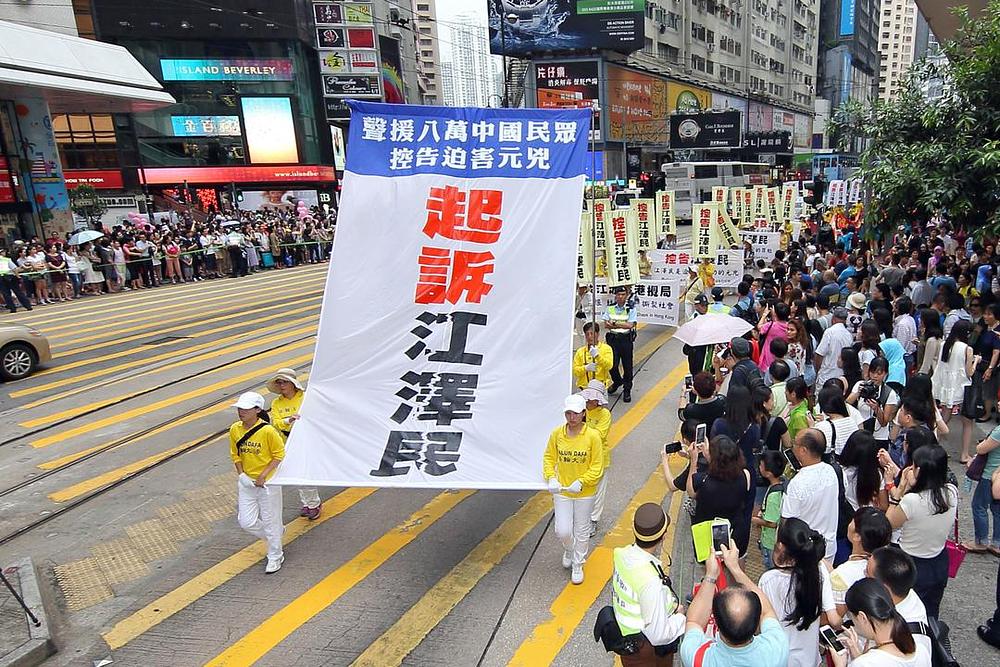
{"x": 685, "y": 258}
{"x": 468, "y": 271}
{"x": 671, "y": 259}
{"x": 618, "y": 228}
{"x": 455, "y": 215}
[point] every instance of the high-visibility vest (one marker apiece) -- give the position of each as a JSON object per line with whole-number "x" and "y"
{"x": 634, "y": 570}
{"x": 719, "y": 307}
{"x": 617, "y": 313}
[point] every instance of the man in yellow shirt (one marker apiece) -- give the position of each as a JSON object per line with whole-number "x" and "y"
{"x": 599, "y": 419}
{"x": 593, "y": 361}
{"x": 256, "y": 449}
{"x": 284, "y": 413}
{"x": 572, "y": 465}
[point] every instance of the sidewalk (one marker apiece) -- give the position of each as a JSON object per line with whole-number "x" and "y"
{"x": 21, "y": 643}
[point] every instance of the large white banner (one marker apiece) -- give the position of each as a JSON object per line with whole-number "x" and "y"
{"x": 445, "y": 309}
{"x": 672, "y": 265}
{"x": 656, "y": 302}
{"x": 765, "y": 244}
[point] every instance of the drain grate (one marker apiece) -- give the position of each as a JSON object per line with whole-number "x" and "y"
{"x": 166, "y": 339}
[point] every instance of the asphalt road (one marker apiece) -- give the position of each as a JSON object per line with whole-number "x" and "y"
{"x": 115, "y": 481}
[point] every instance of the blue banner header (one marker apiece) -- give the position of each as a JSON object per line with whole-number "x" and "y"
{"x": 402, "y": 140}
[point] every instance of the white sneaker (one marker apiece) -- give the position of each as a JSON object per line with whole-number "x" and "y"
{"x": 567, "y": 559}
{"x": 577, "y": 576}
{"x": 275, "y": 565}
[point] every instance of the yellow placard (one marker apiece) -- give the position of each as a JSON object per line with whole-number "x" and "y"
{"x": 642, "y": 211}
{"x": 729, "y": 235}
{"x": 623, "y": 256}
{"x": 665, "y": 214}
{"x": 602, "y": 208}
{"x": 585, "y": 253}
{"x": 705, "y": 236}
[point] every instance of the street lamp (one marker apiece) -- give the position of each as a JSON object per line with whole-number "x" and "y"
{"x": 503, "y": 48}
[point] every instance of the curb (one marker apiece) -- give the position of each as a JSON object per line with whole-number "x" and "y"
{"x": 39, "y": 645}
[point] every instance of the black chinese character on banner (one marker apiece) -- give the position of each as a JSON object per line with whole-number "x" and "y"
{"x": 436, "y": 452}
{"x": 455, "y": 354}
{"x": 442, "y": 397}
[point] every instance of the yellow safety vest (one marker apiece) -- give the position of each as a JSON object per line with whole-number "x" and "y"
{"x": 634, "y": 570}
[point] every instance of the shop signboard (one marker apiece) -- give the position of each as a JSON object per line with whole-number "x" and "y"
{"x": 335, "y": 61}
{"x": 227, "y": 69}
{"x": 761, "y": 117}
{"x": 101, "y": 179}
{"x": 770, "y": 142}
{"x": 331, "y": 38}
{"x": 327, "y": 13}
{"x": 205, "y": 126}
{"x": 364, "y": 60}
{"x": 359, "y": 13}
{"x": 241, "y": 174}
{"x": 637, "y": 107}
{"x": 336, "y": 109}
{"x": 848, "y": 8}
{"x": 392, "y": 70}
{"x": 706, "y": 130}
{"x": 566, "y": 25}
{"x": 687, "y": 99}
{"x": 351, "y": 85}
{"x": 569, "y": 85}
{"x": 6, "y": 183}
{"x": 803, "y": 131}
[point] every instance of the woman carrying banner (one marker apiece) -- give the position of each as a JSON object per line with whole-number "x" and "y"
{"x": 284, "y": 413}
{"x": 573, "y": 465}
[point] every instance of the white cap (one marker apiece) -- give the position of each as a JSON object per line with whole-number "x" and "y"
{"x": 250, "y": 399}
{"x": 574, "y": 403}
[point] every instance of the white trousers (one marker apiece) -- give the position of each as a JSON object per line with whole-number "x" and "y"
{"x": 309, "y": 497}
{"x": 572, "y": 524}
{"x": 259, "y": 513}
{"x": 602, "y": 489}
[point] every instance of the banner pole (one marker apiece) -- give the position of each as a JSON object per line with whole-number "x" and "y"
{"x": 593, "y": 199}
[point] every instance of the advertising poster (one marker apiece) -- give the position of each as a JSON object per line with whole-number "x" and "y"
{"x": 335, "y": 61}
{"x": 517, "y": 27}
{"x": 764, "y": 244}
{"x": 645, "y": 217}
{"x": 360, "y": 13}
{"x": 683, "y": 98}
{"x": 706, "y": 130}
{"x": 331, "y": 38}
{"x": 623, "y": 255}
{"x": 277, "y": 200}
{"x": 704, "y": 219}
{"x": 339, "y": 150}
{"x": 227, "y": 69}
{"x": 327, "y": 13}
{"x": 361, "y": 38}
{"x": 392, "y": 70}
{"x": 761, "y": 117}
{"x": 269, "y": 130}
{"x": 637, "y": 107}
{"x": 666, "y": 216}
{"x": 413, "y": 374}
{"x": 51, "y": 201}
{"x": 570, "y": 85}
{"x": 7, "y": 195}
{"x": 351, "y": 85}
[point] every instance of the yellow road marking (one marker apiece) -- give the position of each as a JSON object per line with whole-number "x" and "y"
{"x": 104, "y": 372}
{"x": 139, "y": 299}
{"x": 255, "y": 644}
{"x": 227, "y": 317}
{"x": 111, "y": 315}
{"x": 406, "y": 634}
{"x": 574, "y": 602}
{"x": 167, "y": 605}
{"x": 164, "y": 403}
{"x": 190, "y": 316}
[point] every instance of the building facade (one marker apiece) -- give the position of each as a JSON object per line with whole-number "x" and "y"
{"x": 429, "y": 65}
{"x": 904, "y": 38}
{"x": 849, "y": 62}
{"x": 473, "y": 70}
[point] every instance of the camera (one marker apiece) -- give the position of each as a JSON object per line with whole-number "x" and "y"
{"x": 867, "y": 391}
{"x": 672, "y": 447}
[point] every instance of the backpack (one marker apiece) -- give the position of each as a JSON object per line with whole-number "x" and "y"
{"x": 748, "y": 315}
{"x": 845, "y": 513}
{"x": 937, "y": 631}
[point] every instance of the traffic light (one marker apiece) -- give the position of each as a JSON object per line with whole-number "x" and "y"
{"x": 816, "y": 189}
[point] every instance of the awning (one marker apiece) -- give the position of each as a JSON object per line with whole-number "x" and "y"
{"x": 939, "y": 15}
{"x": 74, "y": 74}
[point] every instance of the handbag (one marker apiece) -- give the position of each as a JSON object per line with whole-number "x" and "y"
{"x": 974, "y": 470}
{"x": 956, "y": 553}
{"x": 972, "y": 401}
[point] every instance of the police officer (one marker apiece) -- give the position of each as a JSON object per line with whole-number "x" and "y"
{"x": 10, "y": 284}
{"x": 620, "y": 320}
{"x": 717, "y": 305}
{"x": 645, "y": 605}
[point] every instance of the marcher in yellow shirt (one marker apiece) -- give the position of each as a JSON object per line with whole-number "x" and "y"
{"x": 256, "y": 449}
{"x": 284, "y": 413}
{"x": 593, "y": 361}
{"x": 573, "y": 464}
{"x": 599, "y": 419}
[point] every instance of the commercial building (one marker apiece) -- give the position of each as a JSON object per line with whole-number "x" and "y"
{"x": 849, "y": 61}
{"x": 903, "y": 39}
{"x": 429, "y": 65}
{"x": 44, "y": 76}
{"x": 473, "y": 70}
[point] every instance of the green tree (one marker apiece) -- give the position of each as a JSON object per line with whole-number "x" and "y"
{"x": 84, "y": 201}
{"x": 924, "y": 156}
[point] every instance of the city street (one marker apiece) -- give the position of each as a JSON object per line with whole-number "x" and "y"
{"x": 117, "y": 482}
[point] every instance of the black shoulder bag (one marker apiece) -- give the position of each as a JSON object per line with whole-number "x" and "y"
{"x": 246, "y": 436}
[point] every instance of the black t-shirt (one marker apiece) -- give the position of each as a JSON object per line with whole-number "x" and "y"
{"x": 706, "y": 413}
{"x": 716, "y": 498}
{"x": 772, "y": 433}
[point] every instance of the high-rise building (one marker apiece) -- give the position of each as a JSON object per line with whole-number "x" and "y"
{"x": 473, "y": 69}
{"x": 447, "y": 87}
{"x": 849, "y": 61}
{"x": 429, "y": 66}
{"x": 903, "y": 39}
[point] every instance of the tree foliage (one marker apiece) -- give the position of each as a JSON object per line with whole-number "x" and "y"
{"x": 85, "y": 202}
{"x": 928, "y": 156}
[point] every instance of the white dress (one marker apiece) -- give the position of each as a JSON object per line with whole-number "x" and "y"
{"x": 950, "y": 379}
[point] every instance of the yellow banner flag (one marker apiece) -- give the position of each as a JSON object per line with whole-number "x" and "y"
{"x": 728, "y": 234}
{"x": 623, "y": 256}
{"x": 602, "y": 208}
{"x": 759, "y": 202}
{"x": 748, "y": 208}
{"x": 773, "y": 208}
{"x": 665, "y": 214}
{"x": 642, "y": 211}
{"x": 720, "y": 195}
{"x": 789, "y": 197}
{"x": 585, "y": 253}
{"x": 705, "y": 238}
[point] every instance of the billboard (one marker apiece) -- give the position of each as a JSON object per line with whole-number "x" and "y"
{"x": 534, "y": 26}
{"x": 705, "y": 130}
{"x": 569, "y": 85}
{"x": 687, "y": 99}
{"x": 227, "y": 69}
{"x": 6, "y": 183}
{"x": 848, "y": 9}
{"x": 270, "y": 130}
{"x": 776, "y": 141}
{"x": 637, "y": 107}
{"x": 205, "y": 126}
{"x": 277, "y": 200}
{"x": 392, "y": 70}
{"x": 351, "y": 85}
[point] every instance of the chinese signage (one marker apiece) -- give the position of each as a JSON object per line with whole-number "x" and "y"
{"x": 656, "y": 302}
{"x": 412, "y": 376}
{"x": 6, "y": 183}
{"x": 270, "y": 130}
{"x": 776, "y": 141}
{"x": 622, "y": 251}
{"x": 764, "y": 244}
{"x": 520, "y": 27}
{"x": 637, "y": 107}
{"x": 205, "y": 126}
{"x": 349, "y": 58}
{"x": 569, "y": 85}
{"x": 706, "y": 130}
{"x": 229, "y": 69}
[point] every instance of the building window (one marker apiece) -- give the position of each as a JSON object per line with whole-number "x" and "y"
{"x": 85, "y": 141}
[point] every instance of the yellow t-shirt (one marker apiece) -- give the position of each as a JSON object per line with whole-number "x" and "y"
{"x": 604, "y": 361}
{"x": 579, "y": 457}
{"x": 259, "y": 450}
{"x": 282, "y": 407}
{"x": 600, "y": 419}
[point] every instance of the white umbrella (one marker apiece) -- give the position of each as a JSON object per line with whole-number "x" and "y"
{"x": 231, "y": 223}
{"x": 86, "y": 236}
{"x": 712, "y": 328}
